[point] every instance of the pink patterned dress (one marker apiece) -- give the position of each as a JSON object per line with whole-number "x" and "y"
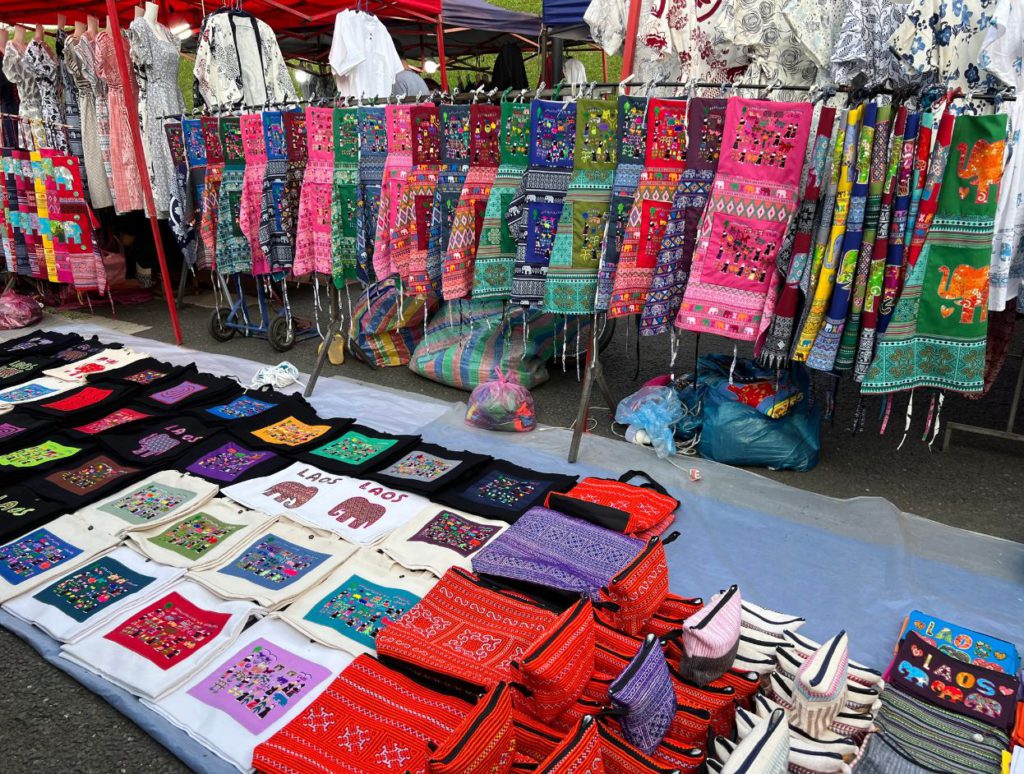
{"x": 396, "y": 172}
{"x": 124, "y": 165}
{"x": 313, "y": 240}
{"x": 251, "y": 205}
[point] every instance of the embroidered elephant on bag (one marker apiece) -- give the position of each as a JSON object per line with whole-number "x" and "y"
{"x": 913, "y": 674}
{"x": 982, "y": 167}
{"x": 947, "y": 692}
{"x": 361, "y": 511}
{"x": 291, "y": 494}
{"x": 967, "y": 287}
{"x": 984, "y": 704}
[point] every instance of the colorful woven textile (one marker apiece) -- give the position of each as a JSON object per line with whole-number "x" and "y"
{"x": 455, "y": 150}
{"x": 370, "y": 720}
{"x": 278, "y": 248}
{"x": 410, "y": 236}
{"x": 373, "y": 152}
{"x": 753, "y": 199}
{"x": 385, "y": 325}
{"x": 233, "y": 253}
{"x": 209, "y": 210}
{"x": 706, "y": 119}
{"x": 295, "y": 131}
{"x": 631, "y": 151}
{"x": 485, "y": 741}
{"x": 496, "y": 250}
{"x": 575, "y": 256}
{"x": 644, "y": 690}
{"x": 396, "y": 170}
{"x": 865, "y": 345}
{"x": 344, "y": 195}
{"x": 467, "y": 223}
{"x": 73, "y": 228}
{"x": 313, "y": 236}
{"x": 251, "y": 205}
{"x": 831, "y": 250}
{"x": 192, "y": 193}
{"x": 937, "y": 337}
{"x": 463, "y": 630}
{"x": 822, "y": 355}
{"x": 775, "y": 350}
{"x": 664, "y": 163}
{"x": 535, "y": 210}
{"x": 180, "y": 204}
{"x": 580, "y": 751}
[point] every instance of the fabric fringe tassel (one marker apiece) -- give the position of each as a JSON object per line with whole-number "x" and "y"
{"x": 578, "y": 349}
{"x": 906, "y": 425}
{"x": 928, "y": 420}
{"x": 938, "y": 420}
{"x": 859, "y": 416}
{"x": 886, "y": 413}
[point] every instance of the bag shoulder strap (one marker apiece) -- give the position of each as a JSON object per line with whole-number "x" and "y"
{"x": 650, "y": 483}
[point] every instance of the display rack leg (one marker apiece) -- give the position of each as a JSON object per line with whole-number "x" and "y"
{"x": 1011, "y": 420}
{"x": 181, "y": 285}
{"x": 593, "y": 374}
{"x": 333, "y": 330}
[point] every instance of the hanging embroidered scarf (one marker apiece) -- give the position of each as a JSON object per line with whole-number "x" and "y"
{"x": 893, "y": 270}
{"x": 195, "y": 182}
{"x": 776, "y": 344}
{"x": 876, "y": 271}
{"x": 872, "y": 213}
{"x": 295, "y": 132}
{"x": 467, "y": 224}
{"x": 251, "y": 204}
{"x": 535, "y": 210}
{"x": 822, "y": 354}
{"x": 45, "y": 253}
{"x": 179, "y": 206}
{"x": 664, "y": 163}
{"x": 373, "y": 152}
{"x": 15, "y": 232}
{"x": 76, "y": 227}
{"x": 344, "y": 195}
{"x": 496, "y": 250}
{"x": 210, "y": 207}
{"x": 55, "y": 218}
{"x": 631, "y": 149}
{"x": 274, "y": 241}
{"x": 30, "y": 216}
{"x": 924, "y": 149}
{"x": 753, "y": 200}
{"x": 572, "y": 273}
{"x": 937, "y": 337}
{"x": 232, "y": 250}
{"x": 411, "y": 235}
{"x": 831, "y": 250}
{"x": 451, "y": 177}
{"x": 396, "y": 170}
{"x": 313, "y": 238}
{"x": 706, "y": 119}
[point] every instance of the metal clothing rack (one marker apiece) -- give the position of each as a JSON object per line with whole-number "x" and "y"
{"x": 1007, "y": 434}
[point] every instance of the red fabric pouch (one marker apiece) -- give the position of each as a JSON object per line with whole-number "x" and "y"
{"x": 579, "y": 752}
{"x": 616, "y": 504}
{"x": 638, "y": 590}
{"x": 534, "y": 740}
{"x": 484, "y": 742}
{"x": 620, "y": 757}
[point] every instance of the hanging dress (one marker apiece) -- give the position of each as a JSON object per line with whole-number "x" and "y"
{"x": 250, "y": 206}
{"x": 631, "y": 150}
{"x": 232, "y": 248}
{"x": 68, "y": 88}
{"x": 410, "y": 236}
{"x": 78, "y": 63}
{"x": 373, "y": 153}
{"x": 652, "y": 203}
{"x": 157, "y": 54}
{"x": 9, "y": 106}
{"x": 938, "y": 332}
{"x": 451, "y": 177}
{"x": 705, "y": 122}
{"x": 536, "y": 209}
{"x": 753, "y": 200}
{"x": 496, "y": 248}
{"x": 210, "y": 207}
{"x": 41, "y": 61}
{"x": 127, "y": 181}
{"x": 467, "y": 223}
{"x": 313, "y": 237}
{"x": 572, "y": 273}
{"x": 90, "y": 69}
{"x": 345, "y": 195}
{"x": 16, "y": 68}
{"x": 274, "y": 240}
{"x": 396, "y": 170}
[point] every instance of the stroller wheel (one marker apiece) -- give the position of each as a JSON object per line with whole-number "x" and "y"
{"x": 219, "y": 328}
{"x": 281, "y": 334}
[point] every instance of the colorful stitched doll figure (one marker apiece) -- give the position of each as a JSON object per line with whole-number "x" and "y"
{"x": 572, "y": 274}
{"x": 496, "y": 252}
{"x": 313, "y": 237}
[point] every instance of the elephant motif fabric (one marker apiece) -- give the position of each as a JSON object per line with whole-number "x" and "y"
{"x": 939, "y": 327}
{"x": 291, "y": 494}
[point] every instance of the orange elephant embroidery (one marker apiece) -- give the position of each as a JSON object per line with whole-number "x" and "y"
{"x": 967, "y": 288}
{"x": 982, "y": 167}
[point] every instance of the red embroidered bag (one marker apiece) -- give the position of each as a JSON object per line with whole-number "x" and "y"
{"x": 616, "y": 504}
{"x": 485, "y": 741}
{"x": 638, "y": 590}
{"x": 579, "y": 752}
{"x": 534, "y": 740}
{"x": 620, "y": 757}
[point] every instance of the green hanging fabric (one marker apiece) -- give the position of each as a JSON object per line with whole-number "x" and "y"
{"x": 345, "y": 195}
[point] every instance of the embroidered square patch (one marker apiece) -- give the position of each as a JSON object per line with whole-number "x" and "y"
{"x": 194, "y": 536}
{"x": 177, "y": 393}
{"x": 34, "y": 554}
{"x": 9, "y": 430}
{"x": 114, "y": 419}
{"x": 354, "y": 448}
{"x": 84, "y": 398}
{"x": 503, "y": 490}
{"x": 241, "y": 408}
{"x": 92, "y": 589}
{"x": 228, "y": 462}
{"x": 359, "y": 609}
{"x": 290, "y": 432}
{"x": 90, "y": 476}
{"x": 32, "y": 456}
{"x": 145, "y": 376}
{"x": 147, "y": 502}
{"x": 451, "y": 531}
{"x": 168, "y": 631}
{"x": 420, "y": 466}
{"x": 273, "y": 562}
{"x": 25, "y": 393}
{"x": 259, "y": 684}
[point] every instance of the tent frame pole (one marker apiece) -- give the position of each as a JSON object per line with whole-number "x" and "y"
{"x": 440, "y": 54}
{"x": 140, "y": 157}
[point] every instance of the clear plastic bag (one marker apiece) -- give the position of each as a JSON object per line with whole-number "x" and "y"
{"x": 501, "y": 404}
{"x": 18, "y": 311}
{"x": 656, "y": 410}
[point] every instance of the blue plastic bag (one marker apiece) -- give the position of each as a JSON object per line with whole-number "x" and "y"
{"x": 757, "y": 418}
{"x": 656, "y": 410}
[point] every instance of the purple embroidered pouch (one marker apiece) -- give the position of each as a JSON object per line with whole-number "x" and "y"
{"x": 644, "y": 693}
